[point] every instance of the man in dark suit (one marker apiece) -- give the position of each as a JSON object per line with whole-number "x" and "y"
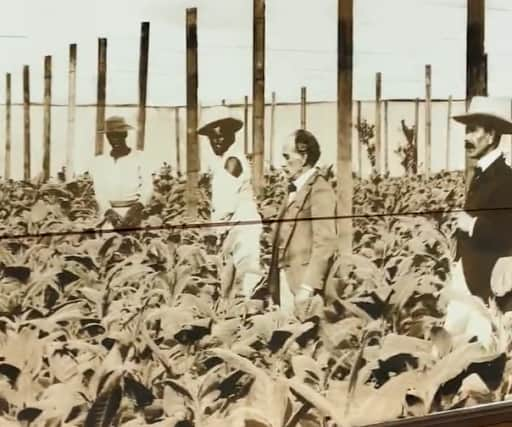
{"x": 485, "y": 226}
{"x": 304, "y": 238}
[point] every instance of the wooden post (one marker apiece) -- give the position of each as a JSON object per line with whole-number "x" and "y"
{"x": 344, "y": 157}
{"x": 143, "y": 84}
{"x": 272, "y": 129}
{"x": 448, "y": 132}
{"x": 47, "y": 116}
{"x": 178, "y": 142}
{"x": 101, "y": 94}
{"x": 428, "y": 119}
{"x": 246, "y": 125}
{"x": 26, "y": 123}
{"x": 7, "y": 164}
{"x": 70, "y": 152}
{"x": 416, "y": 133}
{"x": 386, "y": 138}
{"x": 359, "y": 144}
{"x": 258, "y": 94}
{"x": 378, "y": 124}
{"x": 476, "y": 63}
{"x": 303, "y": 108}
{"x": 193, "y": 165}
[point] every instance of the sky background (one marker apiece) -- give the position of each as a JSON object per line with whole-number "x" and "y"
{"x": 395, "y": 37}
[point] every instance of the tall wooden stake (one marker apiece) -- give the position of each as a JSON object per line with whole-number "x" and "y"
{"x": 246, "y": 125}
{"x": 26, "y": 123}
{"x": 448, "y": 132}
{"x": 178, "y": 142}
{"x": 101, "y": 94}
{"x": 143, "y": 84}
{"x": 303, "y": 107}
{"x": 359, "y": 144}
{"x": 386, "y": 138}
{"x": 7, "y": 164}
{"x": 344, "y": 166}
{"x": 416, "y": 134}
{"x": 476, "y": 63}
{"x": 428, "y": 119}
{"x": 378, "y": 122}
{"x": 193, "y": 160}
{"x": 272, "y": 130}
{"x": 47, "y": 116}
{"x": 70, "y": 151}
{"x": 258, "y": 94}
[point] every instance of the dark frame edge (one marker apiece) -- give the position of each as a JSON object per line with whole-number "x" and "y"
{"x": 478, "y": 416}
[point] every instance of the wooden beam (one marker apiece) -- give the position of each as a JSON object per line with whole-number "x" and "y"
{"x": 47, "y": 118}
{"x": 476, "y": 63}
{"x": 26, "y": 123}
{"x": 303, "y": 108}
{"x": 448, "y": 132}
{"x": 359, "y": 144}
{"x": 386, "y": 138}
{"x": 378, "y": 122}
{"x": 143, "y": 84}
{"x": 258, "y": 94}
{"x": 70, "y": 151}
{"x": 246, "y": 125}
{"x": 101, "y": 91}
{"x": 178, "y": 142}
{"x": 428, "y": 120}
{"x": 7, "y": 164}
{"x": 193, "y": 159}
{"x": 344, "y": 156}
{"x": 272, "y": 130}
{"x": 416, "y": 134}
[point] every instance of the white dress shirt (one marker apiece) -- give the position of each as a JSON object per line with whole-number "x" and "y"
{"x": 122, "y": 180}
{"x": 300, "y": 181}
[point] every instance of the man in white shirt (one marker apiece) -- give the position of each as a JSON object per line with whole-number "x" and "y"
{"x": 485, "y": 226}
{"x": 233, "y": 207}
{"x": 304, "y": 238}
{"x": 121, "y": 183}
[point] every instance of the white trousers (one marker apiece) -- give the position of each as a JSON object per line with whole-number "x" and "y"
{"x": 286, "y": 296}
{"x": 466, "y": 315}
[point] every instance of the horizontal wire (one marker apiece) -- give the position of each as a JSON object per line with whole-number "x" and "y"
{"x": 238, "y": 223}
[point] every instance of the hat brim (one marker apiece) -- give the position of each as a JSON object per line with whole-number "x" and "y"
{"x": 228, "y": 125}
{"x": 498, "y": 123}
{"x": 119, "y": 129}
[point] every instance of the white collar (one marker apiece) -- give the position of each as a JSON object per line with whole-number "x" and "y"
{"x": 487, "y": 160}
{"x": 301, "y": 180}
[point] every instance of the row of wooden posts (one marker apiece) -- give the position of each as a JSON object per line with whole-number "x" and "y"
{"x": 476, "y": 84}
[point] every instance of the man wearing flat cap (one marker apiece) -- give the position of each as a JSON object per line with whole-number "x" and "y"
{"x": 484, "y": 228}
{"x": 121, "y": 184}
{"x": 234, "y": 207}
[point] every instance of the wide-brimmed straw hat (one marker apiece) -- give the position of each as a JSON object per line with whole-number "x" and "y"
{"x": 115, "y": 124}
{"x": 227, "y": 120}
{"x": 490, "y": 112}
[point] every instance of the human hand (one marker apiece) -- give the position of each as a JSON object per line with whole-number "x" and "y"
{"x": 464, "y": 222}
{"x": 501, "y": 276}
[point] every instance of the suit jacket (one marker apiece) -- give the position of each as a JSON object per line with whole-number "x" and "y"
{"x": 302, "y": 245}
{"x": 490, "y": 196}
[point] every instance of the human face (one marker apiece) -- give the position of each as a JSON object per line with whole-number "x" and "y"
{"x": 117, "y": 140}
{"x": 478, "y": 141}
{"x": 294, "y": 162}
{"x": 220, "y": 141}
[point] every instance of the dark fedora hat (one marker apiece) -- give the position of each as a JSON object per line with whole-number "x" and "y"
{"x": 226, "y": 125}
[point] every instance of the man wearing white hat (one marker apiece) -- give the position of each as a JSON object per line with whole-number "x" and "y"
{"x": 484, "y": 228}
{"x": 122, "y": 185}
{"x": 234, "y": 204}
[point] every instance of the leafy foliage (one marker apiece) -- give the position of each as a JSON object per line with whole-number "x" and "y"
{"x": 127, "y": 328}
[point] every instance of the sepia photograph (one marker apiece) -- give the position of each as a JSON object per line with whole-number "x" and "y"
{"x": 255, "y": 213}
